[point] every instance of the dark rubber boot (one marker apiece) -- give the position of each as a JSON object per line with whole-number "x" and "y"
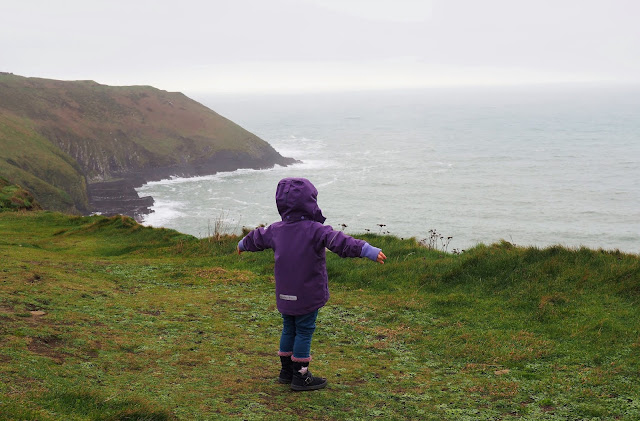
{"x": 304, "y": 380}
{"x": 286, "y": 373}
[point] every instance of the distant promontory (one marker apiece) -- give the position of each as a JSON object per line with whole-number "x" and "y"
{"x": 81, "y": 147}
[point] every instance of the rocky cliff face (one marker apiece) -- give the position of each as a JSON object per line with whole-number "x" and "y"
{"x": 104, "y": 134}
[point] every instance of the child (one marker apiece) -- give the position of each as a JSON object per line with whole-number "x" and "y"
{"x": 299, "y": 243}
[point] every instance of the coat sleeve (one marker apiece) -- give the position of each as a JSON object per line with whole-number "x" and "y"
{"x": 340, "y": 243}
{"x": 346, "y": 246}
{"x": 257, "y": 240}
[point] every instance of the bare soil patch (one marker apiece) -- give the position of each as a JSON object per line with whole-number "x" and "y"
{"x": 47, "y": 346}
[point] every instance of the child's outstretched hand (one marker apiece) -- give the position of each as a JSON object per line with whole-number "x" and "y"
{"x": 381, "y": 257}
{"x": 238, "y": 249}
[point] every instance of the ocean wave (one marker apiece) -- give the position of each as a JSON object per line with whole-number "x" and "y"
{"x": 181, "y": 180}
{"x": 327, "y": 183}
{"x": 298, "y": 147}
{"x": 312, "y": 164}
{"x": 307, "y": 164}
{"x": 164, "y": 211}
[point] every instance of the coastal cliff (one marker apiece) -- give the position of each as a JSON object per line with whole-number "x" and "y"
{"x": 83, "y": 147}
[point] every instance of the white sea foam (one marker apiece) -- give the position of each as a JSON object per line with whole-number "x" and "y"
{"x": 164, "y": 212}
{"x": 298, "y": 147}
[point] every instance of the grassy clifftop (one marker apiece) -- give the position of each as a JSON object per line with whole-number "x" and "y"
{"x": 102, "y": 318}
{"x": 57, "y": 136}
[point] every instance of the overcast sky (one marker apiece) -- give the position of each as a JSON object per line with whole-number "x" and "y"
{"x": 315, "y": 45}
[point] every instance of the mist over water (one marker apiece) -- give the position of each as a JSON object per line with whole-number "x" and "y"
{"x": 534, "y": 166}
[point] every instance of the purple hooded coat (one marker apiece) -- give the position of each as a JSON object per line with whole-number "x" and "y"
{"x": 299, "y": 243}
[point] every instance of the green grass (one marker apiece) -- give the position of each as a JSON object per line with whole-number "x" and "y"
{"x": 150, "y": 324}
{"x": 15, "y": 198}
{"x": 30, "y": 160}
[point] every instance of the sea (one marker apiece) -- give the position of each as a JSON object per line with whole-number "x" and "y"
{"x": 534, "y": 166}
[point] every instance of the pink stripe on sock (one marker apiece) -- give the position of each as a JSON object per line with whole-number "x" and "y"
{"x": 300, "y": 360}
{"x": 285, "y": 354}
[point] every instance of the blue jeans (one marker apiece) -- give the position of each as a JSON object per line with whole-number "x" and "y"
{"x": 296, "y": 335}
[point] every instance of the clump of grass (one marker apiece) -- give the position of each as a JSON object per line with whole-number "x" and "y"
{"x": 222, "y": 226}
{"x": 437, "y": 241}
{"x": 15, "y": 198}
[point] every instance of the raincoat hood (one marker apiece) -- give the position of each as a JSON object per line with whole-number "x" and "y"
{"x": 296, "y": 199}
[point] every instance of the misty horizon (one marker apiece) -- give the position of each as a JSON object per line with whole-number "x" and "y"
{"x": 322, "y": 45}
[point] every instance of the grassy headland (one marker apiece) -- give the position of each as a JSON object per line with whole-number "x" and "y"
{"x": 104, "y": 319}
{"x": 59, "y": 137}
